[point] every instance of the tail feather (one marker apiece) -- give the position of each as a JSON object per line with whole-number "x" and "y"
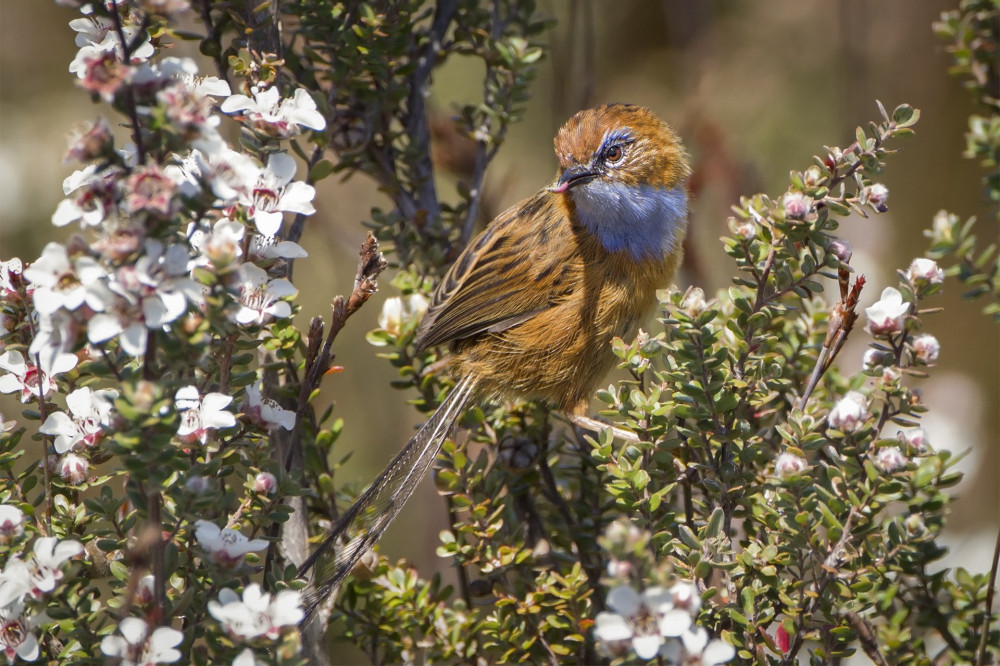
{"x": 375, "y": 510}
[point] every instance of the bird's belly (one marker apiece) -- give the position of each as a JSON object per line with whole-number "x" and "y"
{"x": 563, "y": 353}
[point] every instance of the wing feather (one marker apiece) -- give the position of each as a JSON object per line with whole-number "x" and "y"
{"x": 502, "y": 279}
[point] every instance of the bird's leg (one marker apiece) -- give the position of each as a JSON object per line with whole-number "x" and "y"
{"x": 593, "y": 425}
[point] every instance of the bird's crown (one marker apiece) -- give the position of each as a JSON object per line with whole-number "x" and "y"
{"x": 624, "y": 143}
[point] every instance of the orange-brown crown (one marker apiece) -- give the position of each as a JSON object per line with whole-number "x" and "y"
{"x": 652, "y": 152}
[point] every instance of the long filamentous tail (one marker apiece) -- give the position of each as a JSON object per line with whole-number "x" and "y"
{"x": 375, "y": 510}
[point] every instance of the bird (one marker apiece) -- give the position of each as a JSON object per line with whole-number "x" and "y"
{"x": 530, "y": 306}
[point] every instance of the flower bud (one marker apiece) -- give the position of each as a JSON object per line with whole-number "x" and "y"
{"x": 926, "y": 348}
{"x": 943, "y": 228}
{"x": 789, "y": 464}
{"x": 743, "y": 229}
{"x": 812, "y": 176}
{"x": 92, "y": 143}
{"x": 73, "y": 469}
{"x": 875, "y": 358}
{"x": 197, "y": 484}
{"x": 850, "y": 413}
{"x": 796, "y": 205}
{"x": 913, "y": 438}
{"x": 11, "y": 523}
{"x": 890, "y": 458}
{"x": 925, "y": 271}
{"x": 694, "y": 301}
{"x": 877, "y": 195}
{"x": 265, "y": 483}
{"x": 841, "y": 249}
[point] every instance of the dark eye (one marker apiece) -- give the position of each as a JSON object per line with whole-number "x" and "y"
{"x": 614, "y": 154}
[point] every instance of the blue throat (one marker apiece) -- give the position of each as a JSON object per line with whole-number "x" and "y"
{"x": 642, "y": 220}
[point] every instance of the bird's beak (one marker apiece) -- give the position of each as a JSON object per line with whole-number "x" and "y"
{"x": 572, "y": 176}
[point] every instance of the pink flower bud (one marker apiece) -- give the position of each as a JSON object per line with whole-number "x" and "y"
{"x": 850, "y": 413}
{"x": 876, "y": 358}
{"x": 913, "y": 438}
{"x": 925, "y": 270}
{"x": 73, "y": 469}
{"x": 796, "y": 205}
{"x": 11, "y": 523}
{"x": 926, "y": 348}
{"x": 890, "y": 459}
{"x": 877, "y": 195}
{"x": 265, "y": 483}
{"x": 789, "y": 464}
{"x": 841, "y": 249}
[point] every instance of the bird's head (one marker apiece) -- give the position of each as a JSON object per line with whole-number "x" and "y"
{"x": 625, "y": 171}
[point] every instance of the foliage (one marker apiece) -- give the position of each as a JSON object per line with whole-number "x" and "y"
{"x": 169, "y": 465}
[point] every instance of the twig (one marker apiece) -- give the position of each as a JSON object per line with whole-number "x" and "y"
{"x": 984, "y": 633}
{"x": 370, "y": 265}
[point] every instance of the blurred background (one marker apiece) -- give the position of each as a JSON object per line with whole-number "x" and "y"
{"x": 756, "y": 89}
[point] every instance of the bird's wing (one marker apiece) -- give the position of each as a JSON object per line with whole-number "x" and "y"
{"x": 519, "y": 266}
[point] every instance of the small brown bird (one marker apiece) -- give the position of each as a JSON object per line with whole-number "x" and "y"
{"x": 532, "y": 304}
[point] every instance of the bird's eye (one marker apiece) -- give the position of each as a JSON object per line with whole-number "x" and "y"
{"x": 614, "y": 154}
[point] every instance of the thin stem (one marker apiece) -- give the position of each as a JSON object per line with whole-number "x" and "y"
{"x": 984, "y": 633}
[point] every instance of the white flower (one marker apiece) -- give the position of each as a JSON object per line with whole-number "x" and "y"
{"x": 11, "y": 523}
{"x": 40, "y": 574}
{"x": 789, "y": 464}
{"x": 23, "y": 377}
{"x": 269, "y": 247}
{"x": 16, "y": 637}
{"x": 849, "y": 413}
{"x": 62, "y": 284}
{"x": 926, "y": 348}
{"x": 199, "y": 415}
{"x": 256, "y": 614}
{"x": 136, "y": 646}
{"x": 260, "y": 297}
{"x": 230, "y": 174}
{"x": 638, "y": 619}
{"x": 275, "y": 193}
{"x": 699, "y": 650}
{"x": 99, "y": 32}
{"x": 886, "y": 315}
{"x": 91, "y": 414}
{"x": 219, "y": 247}
{"x": 268, "y": 113}
{"x": 914, "y": 438}
{"x": 396, "y": 311}
{"x": 54, "y": 341}
{"x": 226, "y": 547}
{"x": 10, "y": 274}
{"x": 925, "y": 270}
{"x": 90, "y": 197}
{"x": 265, "y": 412}
{"x": 890, "y": 458}
{"x": 152, "y": 293}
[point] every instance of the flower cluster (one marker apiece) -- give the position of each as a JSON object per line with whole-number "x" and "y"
{"x": 23, "y": 580}
{"x": 648, "y": 621}
{"x": 257, "y": 613}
